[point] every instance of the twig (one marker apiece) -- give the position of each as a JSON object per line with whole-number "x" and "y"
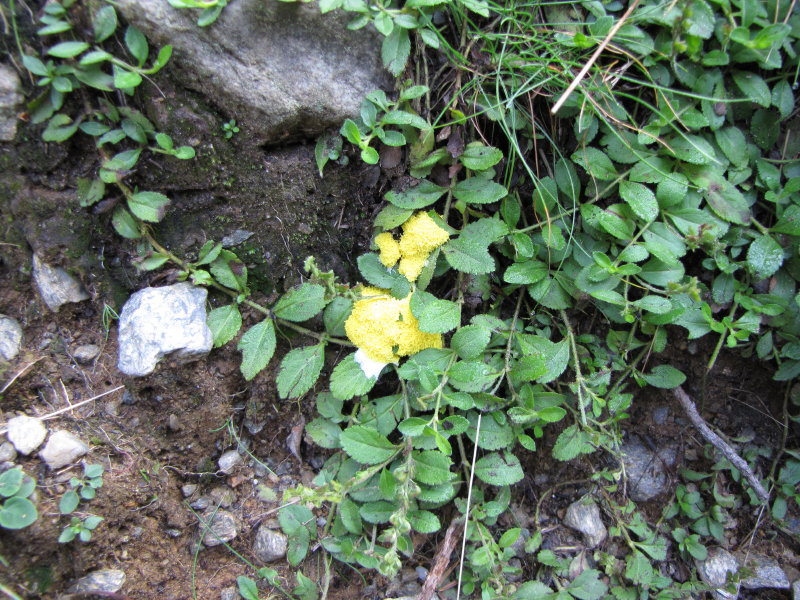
{"x": 568, "y": 92}
{"x": 441, "y": 561}
{"x": 691, "y": 411}
{"x": 19, "y": 374}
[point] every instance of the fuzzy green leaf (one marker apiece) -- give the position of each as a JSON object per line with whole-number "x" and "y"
{"x": 595, "y": 163}
{"x": 424, "y": 521}
{"x": 470, "y": 341}
{"x": 640, "y": 198}
{"x": 570, "y": 443}
{"x": 434, "y": 315}
{"x": 764, "y": 256}
{"x": 366, "y": 445}
{"x": 325, "y": 433}
{"x": 300, "y": 369}
{"x": 753, "y": 87}
{"x": 665, "y": 377}
{"x": 432, "y": 467}
{"x": 478, "y": 157}
{"x": 499, "y": 469}
{"x": 479, "y": 191}
{"x": 423, "y": 194}
{"x": 302, "y": 303}
{"x": 125, "y": 224}
{"x": 348, "y": 379}
{"x": 257, "y": 347}
{"x": 224, "y": 323}
{"x": 148, "y": 206}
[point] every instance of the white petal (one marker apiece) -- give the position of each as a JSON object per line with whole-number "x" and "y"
{"x": 372, "y": 368}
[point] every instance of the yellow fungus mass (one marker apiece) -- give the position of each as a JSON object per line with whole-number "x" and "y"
{"x": 421, "y": 235}
{"x": 384, "y": 328}
{"x": 411, "y": 266}
{"x": 389, "y": 248}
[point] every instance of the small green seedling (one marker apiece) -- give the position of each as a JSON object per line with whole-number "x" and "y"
{"x": 81, "y": 528}
{"x": 230, "y": 129}
{"x": 85, "y": 488}
{"x": 16, "y": 510}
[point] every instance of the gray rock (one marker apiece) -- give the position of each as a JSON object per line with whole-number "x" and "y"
{"x": 767, "y": 573}
{"x": 63, "y": 448}
{"x": 228, "y": 461}
{"x": 584, "y": 516}
{"x": 645, "y": 469}
{"x": 56, "y": 286}
{"x": 280, "y": 69}
{"x": 10, "y": 101}
{"x": 796, "y": 590}
{"x": 156, "y": 322}
{"x": 222, "y": 528}
{"x": 26, "y": 433}
{"x": 222, "y": 496}
{"x": 202, "y": 503}
{"x": 104, "y": 581}
{"x": 236, "y": 238}
{"x": 86, "y": 353}
{"x": 269, "y": 544}
{"x": 10, "y": 337}
{"x": 188, "y": 489}
{"x": 7, "y": 452}
{"x": 714, "y": 571}
{"x": 229, "y": 593}
{"x": 660, "y": 415}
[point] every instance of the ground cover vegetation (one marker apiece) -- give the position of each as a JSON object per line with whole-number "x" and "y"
{"x": 525, "y": 281}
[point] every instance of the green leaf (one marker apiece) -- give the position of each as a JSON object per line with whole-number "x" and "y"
{"x": 570, "y": 443}
{"x": 789, "y": 221}
{"x": 493, "y": 434}
{"x": 664, "y": 377}
{"x": 588, "y": 586}
{"x": 104, "y": 22}
{"x": 34, "y": 65}
{"x": 377, "y": 512}
{"x": 499, "y": 469}
{"x": 434, "y": 315}
{"x": 348, "y": 379}
{"x": 424, "y": 521}
{"x": 526, "y": 272}
{"x": 148, "y": 206}
{"x": 469, "y": 252}
{"x": 422, "y": 195}
{"x": 69, "y": 502}
{"x": 370, "y": 156}
{"x": 477, "y": 190}
{"x": 59, "y": 129}
{"x": 302, "y": 303}
{"x": 395, "y": 50}
{"x": 722, "y": 196}
{"x": 125, "y": 224}
{"x": 90, "y": 191}
{"x": 366, "y": 445}
{"x": 336, "y": 314}
{"x": 11, "y": 482}
{"x": 299, "y": 524}
{"x": 733, "y": 144}
{"x": 753, "y": 87}
{"x": 692, "y": 149}
{"x": 392, "y": 216}
{"x": 124, "y": 79}
{"x": 783, "y": 98}
{"x": 470, "y": 341}
{"x": 137, "y": 44}
{"x": 247, "y": 588}
{"x": 764, "y": 256}
{"x": 655, "y": 304}
{"x": 300, "y": 369}
{"x": 595, "y": 163}
{"x": 640, "y": 198}
{"x": 224, "y": 323}
{"x": 479, "y": 157}
{"x": 375, "y": 273}
{"x": 432, "y": 467}
{"x": 67, "y": 49}
{"x": 229, "y": 270}
{"x": 325, "y": 433}
{"x": 17, "y": 513}
{"x": 257, "y": 346}
{"x": 351, "y": 519}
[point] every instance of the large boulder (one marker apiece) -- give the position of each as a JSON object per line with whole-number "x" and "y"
{"x": 283, "y": 69}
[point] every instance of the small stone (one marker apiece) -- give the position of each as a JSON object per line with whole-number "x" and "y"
{"x": 86, "y": 354}
{"x": 106, "y": 581}
{"x": 584, "y": 516}
{"x": 222, "y": 528}
{"x": 10, "y": 100}
{"x": 7, "y": 452}
{"x": 660, "y": 415}
{"x": 714, "y": 571}
{"x": 56, "y": 286}
{"x": 236, "y": 238}
{"x": 10, "y": 334}
{"x": 26, "y": 433}
{"x": 63, "y": 448}
{"x": 188, "y": 489}
{"x": 796, "y": 590}
{"x": 647, "y": 476}
{"x": 269, "y": 544}
{"x": 173, "y": 423}
{"x": 156, "y": 322}
{"x": 229, "y": 593}
{"x": 202, "y": 503}
{"x": 767, "y": 573}
{"x": 266, "y": 493}
{"x": 222, "y": 496}
{"x": 128, "y": 398}
{"x": 228, "y": 461}
{"x": 173, "y": 533}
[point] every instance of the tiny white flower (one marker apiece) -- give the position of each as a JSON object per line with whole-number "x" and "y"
{"x": 371, "y": 368}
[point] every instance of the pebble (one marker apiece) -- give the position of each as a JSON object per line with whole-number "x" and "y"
{"x": 156, "y": 322}
{"x": 11, "y": 99}
{"x": 56, "y": 286}
{"x": 128, "y": 398}
{"x": 236, "y": 238}
{"x": 796, "y": 590}
{"x": 188, "y": 489}
{"x": 584, "y": 516}
{"x": 222, "y": 528}
{"x": 104, "y": 581}
{"x": 10, "y": 336}
{"x": 86, "y": 354}
{"x": 660, "y": 415}
{"x": 173, "y": 423}
{"x": 714, "y": 571}
{"x": 62, "y": 449}
{"x": 7, "y": 452}
{"x": 228, "y": 461}
{"x": 202, "y": 503}
{"x": 645, "y": 469}
{"x": 767, "y": 573}
{"x": 222, "y": 496}
{"x": 26, "y": 433}
{"x": 269, "y": 544}
{"x": 229, "y": 593}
